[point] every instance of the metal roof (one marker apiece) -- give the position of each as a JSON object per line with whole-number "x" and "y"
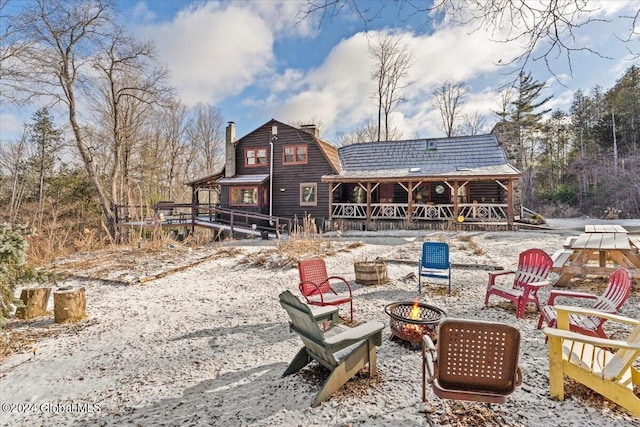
{"x": 466, "y": 156}
{"x": 244, "y": 179}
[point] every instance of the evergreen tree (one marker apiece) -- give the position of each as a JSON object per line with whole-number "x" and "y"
{"x": 527, "y": 102}
{"x": 45, "y": 138}
{"x": 525, "y": 112}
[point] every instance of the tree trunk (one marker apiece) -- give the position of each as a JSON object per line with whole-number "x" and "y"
{"x": 35, "y": 303}
{"x": 69, "y": 305}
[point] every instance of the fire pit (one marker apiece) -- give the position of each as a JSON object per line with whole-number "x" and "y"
{"x": 411, "y": 320}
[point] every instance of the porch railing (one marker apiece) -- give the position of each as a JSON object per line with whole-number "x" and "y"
{"x": 382, "y": 211}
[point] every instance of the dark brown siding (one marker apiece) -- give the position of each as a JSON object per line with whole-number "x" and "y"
{"x": 287, "y": 178}
{"x": 488, "y": 190}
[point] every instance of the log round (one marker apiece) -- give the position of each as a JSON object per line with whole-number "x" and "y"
{"x": 69, "y": 305}
{"x": 35, "y": 303}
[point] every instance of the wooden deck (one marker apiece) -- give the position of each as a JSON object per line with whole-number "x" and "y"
{"x": 233, "y": 221}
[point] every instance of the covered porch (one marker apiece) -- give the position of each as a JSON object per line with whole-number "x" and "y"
{"x": 436, "y": 200}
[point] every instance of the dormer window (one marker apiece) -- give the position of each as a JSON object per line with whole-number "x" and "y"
{"x": 431, "y": 145}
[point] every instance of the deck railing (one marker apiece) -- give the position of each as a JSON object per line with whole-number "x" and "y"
{"x": 184, "y": 214}
{"x": 381, "y": 211}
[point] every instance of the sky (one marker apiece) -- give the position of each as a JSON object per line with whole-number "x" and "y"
{"x": 257, "y": 60}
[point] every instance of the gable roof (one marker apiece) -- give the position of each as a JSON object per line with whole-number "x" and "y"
{"x": 464, "y": 157}
{"x": 330, "y": 153}
{"x": 328, "y": 149}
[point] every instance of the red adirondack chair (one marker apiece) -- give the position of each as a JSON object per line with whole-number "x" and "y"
{"x": 315, "y": 285}
{"x": 533, "y": 268}
{"x": 614, "y": 297}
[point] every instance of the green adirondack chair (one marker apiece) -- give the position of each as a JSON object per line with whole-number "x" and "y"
{"x": 342, "y": 350}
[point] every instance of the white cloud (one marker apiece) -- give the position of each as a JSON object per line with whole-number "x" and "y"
{"x": 217, "y": 50}
{"x": 12, "y": 126}
{"x": 213, "y": 51}
{"x": 339, "y": 91}
{"x": 141, "y": 12}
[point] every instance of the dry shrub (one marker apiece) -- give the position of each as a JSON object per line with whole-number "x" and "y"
{"x": 438, "y": 289}
{"x": 288, "y": 253}
{"x": 473, "y": 246}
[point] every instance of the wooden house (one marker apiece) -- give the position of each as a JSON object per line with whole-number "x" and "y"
{"x": 464, "y": 178}
{"x": 275, "y": 170}
{"x": 280, "y": 170}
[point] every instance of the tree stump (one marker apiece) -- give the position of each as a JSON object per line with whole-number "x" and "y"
{"x": 35, "y": 303}
{"x": 69, "y": 305}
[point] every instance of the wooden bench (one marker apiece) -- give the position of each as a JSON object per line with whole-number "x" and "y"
{"x": 559, "y": 258}
{"x": 635, "y": 241}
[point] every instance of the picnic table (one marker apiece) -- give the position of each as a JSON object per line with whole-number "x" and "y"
{"x": 598, "y": 251}
{"x": 604, "y": 228}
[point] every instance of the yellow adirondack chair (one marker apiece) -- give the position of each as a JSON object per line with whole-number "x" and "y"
{"x": 590, "y": 361}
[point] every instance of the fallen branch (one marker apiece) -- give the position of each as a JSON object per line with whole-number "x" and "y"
{"x": 151, "y": 277}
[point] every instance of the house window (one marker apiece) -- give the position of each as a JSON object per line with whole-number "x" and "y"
{"x": 308, "y": 192}
{"x": 255, "y": 157}
{"x": 421, "y": 194}
{"x": 294, "y": 154}
{"x": 243, "y": 196}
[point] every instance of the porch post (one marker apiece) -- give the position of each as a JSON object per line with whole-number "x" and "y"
{"x": 510, "y": 214}
{"x": 330, "y": 201}
{"x": 410, "y": 200}
{"x": 455, "y": 200}
{"x": 368, "y": 201}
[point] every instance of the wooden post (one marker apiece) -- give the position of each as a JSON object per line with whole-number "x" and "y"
{"x": 330, "y": 201}
{"x": 368, "y": 202}
{"x": 69, "y": 305}
{"x": 35, "y": 303}
{"x": 510, "y": 213}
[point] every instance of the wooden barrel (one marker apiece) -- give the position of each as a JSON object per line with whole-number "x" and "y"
{"x": 371, "y": 272}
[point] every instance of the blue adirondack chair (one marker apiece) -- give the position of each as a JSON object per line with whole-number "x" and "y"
{"x": 434, "y": 263}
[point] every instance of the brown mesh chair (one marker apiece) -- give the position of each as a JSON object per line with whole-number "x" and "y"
{"x": 475, "y": 360}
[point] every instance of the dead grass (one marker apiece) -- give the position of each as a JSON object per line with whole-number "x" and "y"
{"x": 288, "y": 254}
{"x": 471, "y": 245}
{"x": 471, "y": 414}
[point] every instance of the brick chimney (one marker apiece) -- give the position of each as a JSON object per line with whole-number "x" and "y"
{"x": 230, "y": 151}
{"x": 312, "y": 129}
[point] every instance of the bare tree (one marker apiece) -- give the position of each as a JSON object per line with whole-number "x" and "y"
{"x": 506, "y": 97}
{"x": 173, "y": 130}
{"x": 128, "y": 86}
{"x": 473, "y": 124}
{"x": 12, "y": 48}
{"x": 70, "y": 40}
{"x": 206, "y": 134}
{"x": 549, "y": 25}
{"x": 65, "y": 35}
{"x": 392, "y": 63}
{"x": 13, "y": 159}
{"x": 448, "y": 99}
